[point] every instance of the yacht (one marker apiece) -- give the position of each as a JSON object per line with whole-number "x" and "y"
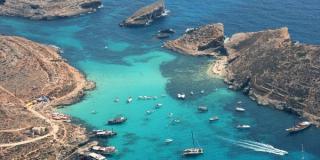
{"x": 214, "y": 118}
{"x": 117, "y": 120}
{"x": 194, "y": 151}
{"x": 104, "y": 133}
{"x": 104, "y": 150}
{"x": 240, "y": 109}
{"x": 299, "y": 127}
{"x": 202, "y": 109}
{"x": 243, "y": 126}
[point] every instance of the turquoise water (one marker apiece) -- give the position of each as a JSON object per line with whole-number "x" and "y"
{"x": 130, "y": 62}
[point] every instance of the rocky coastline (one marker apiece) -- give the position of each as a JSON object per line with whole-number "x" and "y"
{"x": 30, "y": 70}
{"x": 267, "y": 66}
{"x": 46, "y": 9}
{"x": 144, "y": 16}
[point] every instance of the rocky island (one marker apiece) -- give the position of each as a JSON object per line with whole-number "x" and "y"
{"x": 206, "y": 40}
{"x": 146, "y": 15}
{"x": 266, "y": 65}
{"x": 47, "y": 9}
{"x": 34, "y": 79}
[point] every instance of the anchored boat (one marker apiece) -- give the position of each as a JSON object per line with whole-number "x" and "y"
{"x": 193, "y": 151}
{"x": 299, "y": 127}
{"x": 214, "y": 118}
{"x": 202, "y": 109}
{"x": 104, "y": 133}
{"x": 243, "y": 126}
{"x": 117, "y": 120}
{"x": 104, "y": 150}
{"x": 240, "y": 109}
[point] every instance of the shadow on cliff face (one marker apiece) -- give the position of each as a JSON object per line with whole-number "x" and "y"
{"x": 188, "y": 74}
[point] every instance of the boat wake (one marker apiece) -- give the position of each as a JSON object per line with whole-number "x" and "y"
{"x": 256, "y": 146}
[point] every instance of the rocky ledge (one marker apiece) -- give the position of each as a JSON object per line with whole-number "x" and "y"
{"x": 30, "y": 71}
{"x": 269, "y": 67}
{"x": 206, "y": 40}
{"x": 47, "y": 9}
{"x": 146, "y": 15}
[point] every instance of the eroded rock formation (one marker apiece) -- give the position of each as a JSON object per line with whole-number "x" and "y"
{"x": 205, "y": 40}
{"x": 266, "y": 65}
{"x": 47, "y": 9}
{"x": 145, "y": 15}
{"x": 29, "y": 70}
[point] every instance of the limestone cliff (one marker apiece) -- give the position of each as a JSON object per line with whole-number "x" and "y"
{"x": 47, "y": 9}
{"x": 29, "y": 70}
{"x": 205, "y": 40}
{"x": 145, "y": 15}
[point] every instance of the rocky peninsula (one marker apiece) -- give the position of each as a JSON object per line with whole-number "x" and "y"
{"x": 146, "y": 15}
{"x": 34, "y": 79}
{"x": 47, "y": 9}
{"x": 266, "y": 65}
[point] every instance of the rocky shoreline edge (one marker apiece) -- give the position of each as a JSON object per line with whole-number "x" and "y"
{"x": 267, "y": 66}
{"x": 35, "y": 80}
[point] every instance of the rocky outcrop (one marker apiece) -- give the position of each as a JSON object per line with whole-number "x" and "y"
{"x": 273, "y": 70}
{"x": 266, "y": 65}
{"x": 47, "y": 9}
{"x": 205, "y": 40}
{"x": 29, "y": 70}
{"x": 146, "y": 15}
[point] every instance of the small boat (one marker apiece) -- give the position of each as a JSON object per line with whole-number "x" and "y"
{"x": 169, "y": 30}
{"x": 202, "y": 109}
{"x": 170, "y": 115}
{"x": 177, "y": 121}
{"x": 129, "y": 100}
{"x": 158, "y": 105}
{"x": 193, "y": 151}
{"x": 93, "y": 112}
{"x": 104, "y": 133}
{"x": 299, "y": 127}
{"x": 96, "y": 156}
{"x": 181, "y": 96}
{"x": 243, "y": 126}
{"x": 116, "y": 100}
{"x": 202, "y": 91}
{"x": 117, "y": 120}
{"x": 191, "y": 93}
{"x": 214, "y": 118}
{"x": 240, "y": 109}
{"x": 104, "y": 150}
{"x": 163, "y": 35}
{"x": 169, "y": 140}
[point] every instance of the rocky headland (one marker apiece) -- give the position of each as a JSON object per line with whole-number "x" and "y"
{"x": 206, "y": 40}
{"x": 266, "y": 65}
{"x": 47, "y": 9}
{"x": 145, "y": 15}
{"x": 30, "y": 71}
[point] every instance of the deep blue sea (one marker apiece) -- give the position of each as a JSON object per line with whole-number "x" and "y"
{"x": 130, "y": 62}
